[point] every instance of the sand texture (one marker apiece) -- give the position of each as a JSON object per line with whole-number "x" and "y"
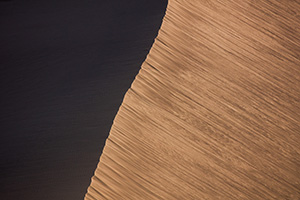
{"x": 214, "y": 111}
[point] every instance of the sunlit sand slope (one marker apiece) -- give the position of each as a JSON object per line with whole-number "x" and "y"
{"x": 214, "y": 111}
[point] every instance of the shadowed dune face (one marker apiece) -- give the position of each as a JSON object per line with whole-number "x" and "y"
{"x": 214, "y": 111}
{"x": 65, "y": 66}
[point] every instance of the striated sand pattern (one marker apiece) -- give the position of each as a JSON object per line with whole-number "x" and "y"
{"x": 214, "y": 111}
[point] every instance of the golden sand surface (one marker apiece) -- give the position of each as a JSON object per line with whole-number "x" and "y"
{"x": 214, "y": 111}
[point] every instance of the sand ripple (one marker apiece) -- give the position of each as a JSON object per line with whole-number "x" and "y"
{"x": 214, "y": 111}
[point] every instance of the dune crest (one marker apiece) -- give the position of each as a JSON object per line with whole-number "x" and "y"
{"x": 214, "y": 111}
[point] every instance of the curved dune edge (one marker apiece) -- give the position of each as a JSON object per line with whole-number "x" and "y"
{"x": 214, "y": 111}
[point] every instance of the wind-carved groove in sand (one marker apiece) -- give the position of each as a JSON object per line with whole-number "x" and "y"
{"x": 214, "y": 111}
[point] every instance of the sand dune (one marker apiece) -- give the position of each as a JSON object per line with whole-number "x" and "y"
{"x": 214, "y": 111}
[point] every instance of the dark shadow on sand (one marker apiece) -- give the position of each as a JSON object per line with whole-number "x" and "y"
{"x": 64, "y": 69}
